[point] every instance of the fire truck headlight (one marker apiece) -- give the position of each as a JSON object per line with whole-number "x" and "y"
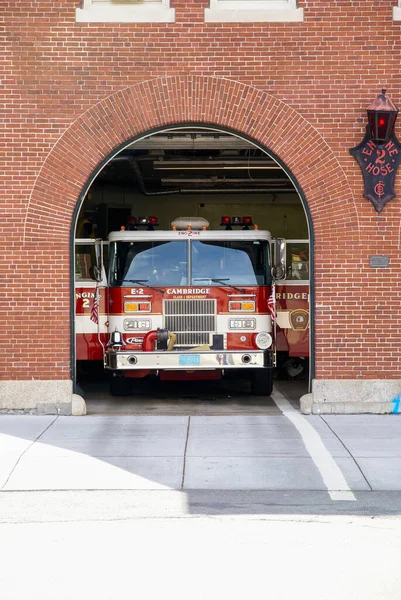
{"x": 137, "y": 324}
{"x": 263, "y": 340}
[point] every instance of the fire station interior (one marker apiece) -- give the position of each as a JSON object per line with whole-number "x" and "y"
{"x": 197, "y": 172}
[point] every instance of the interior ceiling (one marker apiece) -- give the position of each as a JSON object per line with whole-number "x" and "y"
{"x": 196, "y": 160}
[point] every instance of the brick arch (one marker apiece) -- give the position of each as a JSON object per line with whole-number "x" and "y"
{"x": 182, "y": 99}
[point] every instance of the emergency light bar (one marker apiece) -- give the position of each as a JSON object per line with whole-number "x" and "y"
{"x": 134, "y": 222}
{"x": 236, "y": 221}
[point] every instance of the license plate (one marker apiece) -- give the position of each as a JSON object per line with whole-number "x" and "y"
{"x": 189, "y": 359}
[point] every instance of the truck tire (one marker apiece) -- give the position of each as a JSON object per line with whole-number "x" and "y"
{"x": 262, "y": 382}
{"x": 118, "y": 386}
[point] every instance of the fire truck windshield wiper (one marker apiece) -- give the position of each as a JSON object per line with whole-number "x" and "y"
{"x": 139, "y": 281}
{"x": 222, "y": 281}
{"x": 143, "y": 282}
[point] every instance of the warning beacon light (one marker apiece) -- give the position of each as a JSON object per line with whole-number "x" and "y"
{"x": 131, "y": 224}
{"x": 226, "y": 221}
{"x": 247, "y": 221}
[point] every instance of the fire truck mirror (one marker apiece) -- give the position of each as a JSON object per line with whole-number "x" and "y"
{"x": 279, "y": 259}
{"x": 96, "y": 273}
{"x": 97, "y": 269}
{"x": 278, "y": 272}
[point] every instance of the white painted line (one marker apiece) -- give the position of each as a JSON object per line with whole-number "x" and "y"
{"x": 332, "y": 476}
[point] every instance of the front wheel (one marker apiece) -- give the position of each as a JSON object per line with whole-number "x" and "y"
{"x": 262, "y": 382}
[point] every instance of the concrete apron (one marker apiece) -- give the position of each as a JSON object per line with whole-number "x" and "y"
{"x": 347, "y": 396}
{"x": 352, "y": 396}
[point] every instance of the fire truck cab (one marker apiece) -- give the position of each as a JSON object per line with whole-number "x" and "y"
{"x": 188, "y": 303}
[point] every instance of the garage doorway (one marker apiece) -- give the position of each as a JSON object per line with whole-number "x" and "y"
{"x": 201, "y": 171}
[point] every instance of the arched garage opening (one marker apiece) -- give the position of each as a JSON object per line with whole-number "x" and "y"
{"x": 76, "y": 158}
{"x": 206, "y": 172}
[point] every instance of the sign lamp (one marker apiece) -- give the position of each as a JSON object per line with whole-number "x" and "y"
{"x": 379, "y": 153}
{"x": 382, "y": 114}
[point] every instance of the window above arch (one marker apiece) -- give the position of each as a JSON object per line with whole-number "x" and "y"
{"x": 241, "y": 11}
{"x": 125, "y": 11}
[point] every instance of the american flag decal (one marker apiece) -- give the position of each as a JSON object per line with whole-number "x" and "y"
{"x": 95, "y": 308}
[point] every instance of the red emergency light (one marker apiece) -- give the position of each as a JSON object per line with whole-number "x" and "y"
{"x": 131, "y": 224}
{"x": 226, "y": 221}
{"x": 247, "y": 221}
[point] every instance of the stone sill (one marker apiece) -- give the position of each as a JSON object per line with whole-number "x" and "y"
{"x": 279, "y": 15}
{"x": 125, "y": 14}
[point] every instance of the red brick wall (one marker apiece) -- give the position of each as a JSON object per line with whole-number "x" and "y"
{"x": 73, "y": 92}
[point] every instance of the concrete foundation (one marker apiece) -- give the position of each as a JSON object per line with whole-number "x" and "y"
{"x": 352, "y": 396}
{"x": 41, "y": 397}
{"x": 347, "y": 396}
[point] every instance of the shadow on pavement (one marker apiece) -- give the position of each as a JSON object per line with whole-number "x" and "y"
{"x": 209, "y": 450}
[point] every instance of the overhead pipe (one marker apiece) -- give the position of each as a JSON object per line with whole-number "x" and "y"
{"x": 133, "y": 163}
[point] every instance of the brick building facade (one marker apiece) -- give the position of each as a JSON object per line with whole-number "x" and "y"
{"x": 81, "y": 79}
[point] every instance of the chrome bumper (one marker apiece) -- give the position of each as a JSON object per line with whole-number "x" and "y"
{"x": 184, "y": 361}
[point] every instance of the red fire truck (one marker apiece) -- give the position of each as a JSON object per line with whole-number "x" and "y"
{"x": 292, "y": 308}
{"x": 188, "y": 303}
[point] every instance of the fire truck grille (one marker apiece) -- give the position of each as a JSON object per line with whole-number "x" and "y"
{"x": 194, "y": 321}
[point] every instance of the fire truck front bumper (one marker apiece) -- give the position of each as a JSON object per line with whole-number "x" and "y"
{"x": 186, "y": 361}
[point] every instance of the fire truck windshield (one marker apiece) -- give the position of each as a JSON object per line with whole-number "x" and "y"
{"x": 148, "y": 263}
{"x": 188, "y": 262}
{"x": 239, "y": 262}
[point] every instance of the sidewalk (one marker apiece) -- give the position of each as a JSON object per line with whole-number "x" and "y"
{"x": 288, "y": 451}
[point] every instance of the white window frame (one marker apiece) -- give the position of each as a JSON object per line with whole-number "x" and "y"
{"x": 125, "y": 11}
{"x": 251, "y": 11}
{"x": 397, "y": 12}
